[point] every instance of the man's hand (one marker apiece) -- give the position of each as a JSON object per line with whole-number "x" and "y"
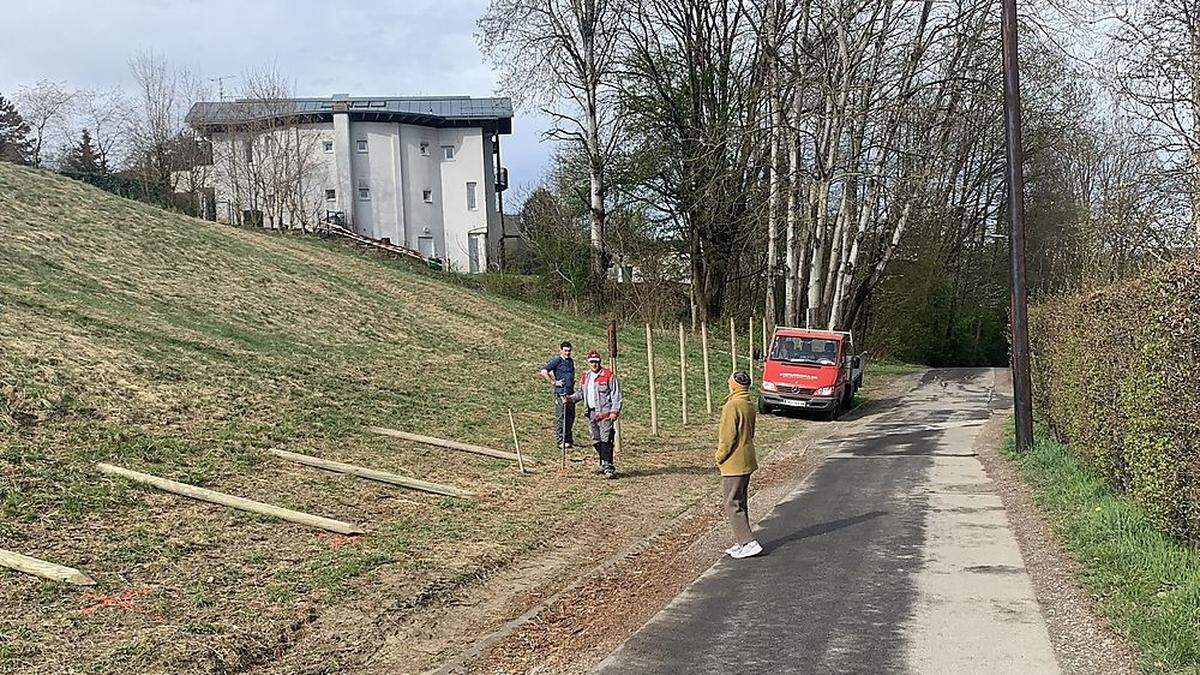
{"x": 614, "y": 415}
{"x": 568, "y": 400}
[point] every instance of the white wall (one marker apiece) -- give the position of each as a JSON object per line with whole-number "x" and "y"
{"x": 466, "y": 167}
{"x": 377, "y": 169}
{"x": 422, "y": 173}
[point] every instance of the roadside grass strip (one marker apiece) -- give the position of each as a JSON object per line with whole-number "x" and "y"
{"x": 1147, "y": 583}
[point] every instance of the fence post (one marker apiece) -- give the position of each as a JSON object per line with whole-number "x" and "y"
{"x": 707, "y": 379}
{"x": 682, "y": 376}
{"x": 650, "y": 373}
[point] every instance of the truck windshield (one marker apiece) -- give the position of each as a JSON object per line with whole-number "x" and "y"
{"x": 805, "y": 350}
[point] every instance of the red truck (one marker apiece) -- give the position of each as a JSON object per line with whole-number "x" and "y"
{"x": 810, "y": 369}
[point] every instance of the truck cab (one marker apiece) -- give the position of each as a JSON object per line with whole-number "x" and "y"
{"x": 808, "y": 369}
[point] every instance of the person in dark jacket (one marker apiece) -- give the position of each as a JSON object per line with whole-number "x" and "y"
{"x": 736, "y": 460}
{"x": 559, "y": 373}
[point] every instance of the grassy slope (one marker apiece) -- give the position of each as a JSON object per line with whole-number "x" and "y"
{"x": 184, "y": 348}
{"x": 1147, "y": 583}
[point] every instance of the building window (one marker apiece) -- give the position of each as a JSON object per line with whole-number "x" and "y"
{"x": 364, "y": 191}
{"x": 424, "y": 149}
{"x": 361, "y": 145}
{"x": 249, "y": 152}
{"x": 471, "y": 203}
{"x": 330, "y": 195}
{"x": 447, "y": 152}
{"x": 427, "y": 195}
{"x": 327, "y": 146}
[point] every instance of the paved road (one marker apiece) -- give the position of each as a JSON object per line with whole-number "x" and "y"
{"x": 893, "y": 556}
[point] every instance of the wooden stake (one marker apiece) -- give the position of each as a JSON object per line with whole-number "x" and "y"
{"x": 682, "y": 376}
{"x": 732, "y": 345}
{"x": 617, "y": 424}
{"x": 517, "y": 444}
{"x": 43, "y": 569}
{"x": 372, "y": 474}
{"x": 231, "y": 501}
{"x": 650, "y": 373}
{"x": 443, "y": 443}
{"x": 766, "y": 346}
{"x": 707, "y": 377}
{"x": 750, "y": 343}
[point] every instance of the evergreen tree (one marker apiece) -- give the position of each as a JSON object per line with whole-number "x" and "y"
{"x": 82, "y": 158}
{"x": 14, "y": 134}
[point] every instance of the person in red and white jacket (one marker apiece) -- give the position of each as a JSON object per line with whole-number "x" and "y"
{"x": 600, "y": 391}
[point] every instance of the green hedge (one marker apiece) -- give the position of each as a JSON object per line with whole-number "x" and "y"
{"x": 1116, "y": 374}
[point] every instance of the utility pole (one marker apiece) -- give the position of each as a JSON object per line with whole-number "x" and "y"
{"x": 1022, "y": 398}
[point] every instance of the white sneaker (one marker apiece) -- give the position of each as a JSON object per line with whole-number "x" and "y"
{"x": 747, "y": 550}
{"x": 732, "y": 550}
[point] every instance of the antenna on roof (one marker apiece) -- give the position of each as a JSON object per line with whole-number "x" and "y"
{"x": 220, "y": 80}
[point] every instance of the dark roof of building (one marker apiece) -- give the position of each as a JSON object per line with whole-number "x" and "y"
{"x": 434, "y": 111}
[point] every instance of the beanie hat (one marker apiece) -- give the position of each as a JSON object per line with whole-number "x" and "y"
{"x": 741, "y": 377}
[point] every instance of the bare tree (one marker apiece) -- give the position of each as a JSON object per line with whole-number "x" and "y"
{"x": 46, "y": 107}
{"x": 1157, "y": 77}
{"x": 562, "y": 55}
{"x": 106, "y": 113}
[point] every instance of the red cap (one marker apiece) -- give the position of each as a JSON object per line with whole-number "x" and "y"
{"x": 593, "y": 355}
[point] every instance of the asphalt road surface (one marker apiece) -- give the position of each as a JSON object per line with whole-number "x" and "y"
{"x": 893, "y": 556}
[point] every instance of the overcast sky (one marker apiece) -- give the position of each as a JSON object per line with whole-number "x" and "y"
{"x": 385, "y": 47}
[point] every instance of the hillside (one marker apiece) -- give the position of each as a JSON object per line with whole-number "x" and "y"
{"x": 186, "y": 349}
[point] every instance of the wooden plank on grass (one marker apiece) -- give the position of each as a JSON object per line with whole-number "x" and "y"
{"x": 372, "y": 474}
{"x": 443, "y": 443}
{"x": 223, "y": 499}
{"x": 43, "y": 569}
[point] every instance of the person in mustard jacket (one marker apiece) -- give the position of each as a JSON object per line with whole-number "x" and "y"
{"x": 735, "y": 458}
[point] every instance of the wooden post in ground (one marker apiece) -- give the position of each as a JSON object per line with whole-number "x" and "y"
{"x": 766, "y": 344}
{"x": 750, "y": 344}
{"x": 732, "y": 345}
{"x": 707, "y": 379}
{"x": 682, "y": 376}
{"x": 43, "y": 569}
{"x": 516, "y": 444}
{"x": 650, "y": 374}
{"x": 223, "y": 499}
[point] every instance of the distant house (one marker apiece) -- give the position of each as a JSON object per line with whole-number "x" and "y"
{"x": 420, "y": 172}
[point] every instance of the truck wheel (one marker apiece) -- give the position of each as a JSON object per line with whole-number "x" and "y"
{"x": 763, "y": 408}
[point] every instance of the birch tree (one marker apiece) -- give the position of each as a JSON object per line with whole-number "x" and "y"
{"x": 562, "y": 56}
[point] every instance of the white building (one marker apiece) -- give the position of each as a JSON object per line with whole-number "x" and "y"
{"x": 423, "y": 173}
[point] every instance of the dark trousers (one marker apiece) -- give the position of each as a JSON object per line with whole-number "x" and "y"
{"x": 605, "y": 450}
{"x": 737, "y": 506}
{"x": 564, "y": 419}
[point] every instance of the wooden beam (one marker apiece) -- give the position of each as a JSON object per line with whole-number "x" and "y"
{"x": 443, "y": 443}
{"x": 372, "y": 474}
{"x": 223, "y": 499}
{"x": 43, "y": 569}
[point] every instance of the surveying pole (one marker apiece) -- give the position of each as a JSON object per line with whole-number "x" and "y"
{"x": 1022, "y": 398}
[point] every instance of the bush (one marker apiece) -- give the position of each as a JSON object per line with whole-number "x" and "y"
{"x": 1115, "y": 375}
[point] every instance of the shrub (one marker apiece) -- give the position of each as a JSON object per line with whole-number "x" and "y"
{"x": 1115, "y": 375}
